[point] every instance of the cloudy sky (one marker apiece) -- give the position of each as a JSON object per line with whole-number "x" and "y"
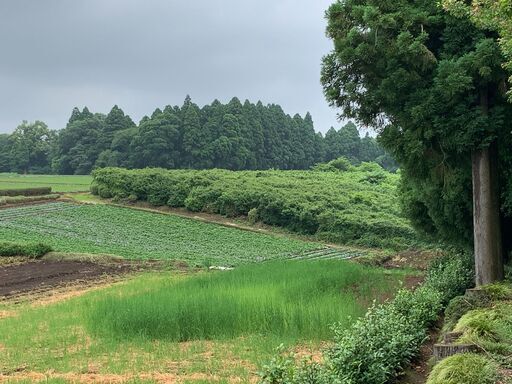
{"x": 143, "y": 54}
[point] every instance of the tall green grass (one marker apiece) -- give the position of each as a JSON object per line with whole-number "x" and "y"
{"x": 290, "y": 299}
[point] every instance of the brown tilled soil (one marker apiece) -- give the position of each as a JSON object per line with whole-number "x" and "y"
{"x": 44, "y": 275}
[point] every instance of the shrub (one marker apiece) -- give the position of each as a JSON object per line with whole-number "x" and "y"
{"x": 451, "y": 275}
{"x": 465, "y": 369}
{"x": 5, "y": 200}
{"x": 29, "y": 250}
{"x": 26, "y": 192}
{"x": 253, "y": 216}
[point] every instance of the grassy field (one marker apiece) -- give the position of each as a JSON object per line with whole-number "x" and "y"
{"x": 141, "y": 235}
{"x": 126, "y": 331}
{"x": 58, "y": 183}
{"x": 288, "y": 299}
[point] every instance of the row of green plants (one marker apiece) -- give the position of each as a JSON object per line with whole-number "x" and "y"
{"x": 8, "y": 200}
{"x": 336, "y": 202}
{"x": 36, "y": 191}
{"x": 31, "y": 250}
{"x": 377, "y": 347}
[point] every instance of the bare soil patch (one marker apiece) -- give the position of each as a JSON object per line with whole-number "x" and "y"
{"x": 42, "y": 276}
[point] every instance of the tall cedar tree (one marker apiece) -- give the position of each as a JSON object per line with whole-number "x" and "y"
{"x": 433, "y": 86}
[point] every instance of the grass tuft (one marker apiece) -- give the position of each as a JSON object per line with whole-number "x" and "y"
{"x": 465, "y": 369}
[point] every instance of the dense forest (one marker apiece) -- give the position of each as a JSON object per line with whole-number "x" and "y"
{"x": 232, "y": 136}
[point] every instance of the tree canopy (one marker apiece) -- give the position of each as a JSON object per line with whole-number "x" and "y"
{"x": 232, "y": 136}
{"x": 489, "y": 14}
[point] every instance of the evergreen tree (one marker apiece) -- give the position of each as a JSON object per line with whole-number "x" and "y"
{"x": 155, "y": 145}
{"x": 234, "y": 136}
{"x": 195, "y": 139}
{"x": 5, "y": 150}
{"x": 80, "y": 143}
{"x": 431, "y": 85}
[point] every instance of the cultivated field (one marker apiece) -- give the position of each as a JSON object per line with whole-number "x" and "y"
{"x": 58, "y": 183}
{"x": 117, "y": 321}
{"x": 135, "y": 234}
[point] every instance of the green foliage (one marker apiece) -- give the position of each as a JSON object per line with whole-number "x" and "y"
{"x": 30, "y": 148}
{"x": 489, "y": 328}
{"x": 419, "y": 76}
{"x": 32, "y": 250}
{"x": 339, "y": 164}
{"x": 465, "y": 369}
{"x": 491, "y": 15}
{"x": 25, "y": 199}
{"x": 355, "y": 206}
{"x": 26, "y": 192}
{"x": 292, "y": 299}
{"x": 282, "y": 369}
{"x": 386, "y": 339}
{"x": 231, "y": 136}
{"x": 451, "y": 274}
{"x": 458, "y": 307}
{"x": 379, "y": 345}
{"x": 134, "y": 234}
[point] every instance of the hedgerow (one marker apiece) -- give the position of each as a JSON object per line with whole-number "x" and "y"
{"x": 26, "y": 191}
{"x": 379, "y": 345}
{"x": 7, "y": 200}
{"x": 351, "y": 205}
{"x": 32, "y": 250}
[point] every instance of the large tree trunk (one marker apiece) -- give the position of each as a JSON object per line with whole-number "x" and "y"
{"x": 486, "y": 213}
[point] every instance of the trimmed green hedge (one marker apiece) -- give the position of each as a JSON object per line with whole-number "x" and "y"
{"x": 28, "y": 250}
{"x": 358, "y": 205}
{"x": 26, "y": 191}
{"x": 6, "y": 200}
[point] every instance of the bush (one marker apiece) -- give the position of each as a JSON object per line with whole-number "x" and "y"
{"x": 386, "y": 339}
{"x": 465, "y": 369}
{"x": 28, "y": 250}
{"x": 6, "y": 200}
{"x": 26, "y": 192}
{"x": 451, "y": 275}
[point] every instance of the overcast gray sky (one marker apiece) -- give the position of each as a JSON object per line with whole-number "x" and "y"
{"x": 143, "y": 54}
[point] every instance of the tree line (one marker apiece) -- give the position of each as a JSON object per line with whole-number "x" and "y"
{"x": 232, "y": 136}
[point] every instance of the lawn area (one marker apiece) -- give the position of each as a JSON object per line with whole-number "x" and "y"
{"x": 172, "y": 327}
{"x": 59, "y": 183}
{"x": 135, "y": 234}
